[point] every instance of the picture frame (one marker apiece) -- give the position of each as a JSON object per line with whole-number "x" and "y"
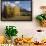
{"x": 16, "y": 10}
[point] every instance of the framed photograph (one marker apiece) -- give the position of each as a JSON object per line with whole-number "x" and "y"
{"x": 16, "y": 10}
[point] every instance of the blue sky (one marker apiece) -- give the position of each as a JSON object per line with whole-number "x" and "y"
{"x": 26, "y": 5}
{"x": 23, "y": 4}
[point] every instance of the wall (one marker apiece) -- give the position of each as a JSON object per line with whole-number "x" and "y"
{"x": 27, "y": 28}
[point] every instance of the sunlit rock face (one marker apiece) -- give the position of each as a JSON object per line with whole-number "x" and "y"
{"x": 10, "y": 9}
{"x": 15, "y": 9}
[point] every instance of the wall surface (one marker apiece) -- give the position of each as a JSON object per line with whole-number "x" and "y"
{"x": 27, "y": 28}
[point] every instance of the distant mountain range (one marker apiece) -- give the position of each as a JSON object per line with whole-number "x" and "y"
{"x": 25, "y": 12}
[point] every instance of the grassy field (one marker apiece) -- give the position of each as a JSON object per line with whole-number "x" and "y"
{"x": 18, "y": 18}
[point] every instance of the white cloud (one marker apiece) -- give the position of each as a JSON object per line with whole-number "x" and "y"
{"x": 29, "y": 9}
{"x": 17, "y": 2}
{"x": 6, "y": 3}
{"x": 12, "y": 5}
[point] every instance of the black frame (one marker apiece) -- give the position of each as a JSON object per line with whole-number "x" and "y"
{"x": 17, "y": 20}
